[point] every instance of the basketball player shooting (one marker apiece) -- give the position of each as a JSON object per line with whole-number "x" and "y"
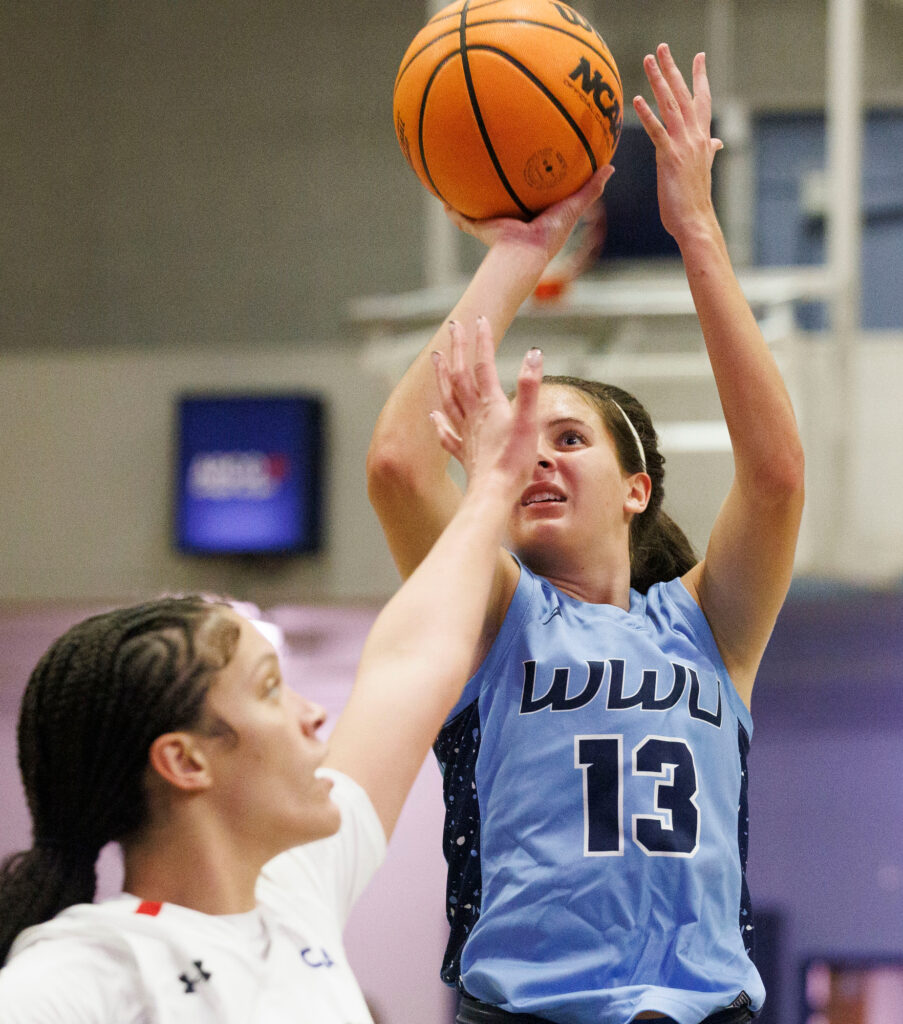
{"x": 595, "y": 764}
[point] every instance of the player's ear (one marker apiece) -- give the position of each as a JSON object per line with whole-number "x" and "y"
{"x": 179, "y": 760}
{"x": 639, "y": 491}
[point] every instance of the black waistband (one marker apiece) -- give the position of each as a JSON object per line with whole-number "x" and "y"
{"x": 472, "y": 1011}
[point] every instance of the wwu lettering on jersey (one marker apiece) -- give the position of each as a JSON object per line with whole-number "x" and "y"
{"x": 621, "y": 692}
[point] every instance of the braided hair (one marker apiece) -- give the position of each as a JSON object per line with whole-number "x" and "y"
{"x": 93, "y": 705}
{"x": 659, "y": 549}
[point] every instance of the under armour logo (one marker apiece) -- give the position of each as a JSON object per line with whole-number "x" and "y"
{"x": 555, "y": 611}
{"x": 202, "y": 975}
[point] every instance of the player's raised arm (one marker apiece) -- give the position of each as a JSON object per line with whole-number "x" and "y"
{"x": 743, "y": 579}
{"x": 406, "y": 468}
{"x": 419, "y": 652}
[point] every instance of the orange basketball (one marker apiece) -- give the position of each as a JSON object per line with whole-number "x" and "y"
{"x": 503, "y": 107}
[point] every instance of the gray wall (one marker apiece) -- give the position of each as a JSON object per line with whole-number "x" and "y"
{"x": 198, "y": 173}
{"x": 201, "y": 173}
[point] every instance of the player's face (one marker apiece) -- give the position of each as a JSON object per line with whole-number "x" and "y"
{"x": 578, "y": 499}
{"x": 264, "y": 760}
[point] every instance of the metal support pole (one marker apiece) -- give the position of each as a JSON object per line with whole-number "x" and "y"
{"x": 440, "y": 258}
{"x": 844, "y": 119}
{"x": 734, "y": 194}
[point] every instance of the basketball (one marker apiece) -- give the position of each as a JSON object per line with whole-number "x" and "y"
{"x": 503, "y": 107}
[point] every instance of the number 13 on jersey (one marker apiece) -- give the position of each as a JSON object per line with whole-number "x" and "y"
{"x": 671, "y": 829}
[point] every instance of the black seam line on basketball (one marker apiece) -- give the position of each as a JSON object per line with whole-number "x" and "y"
{"x": 423, "y": 99}
{"x": 559, "y": 106}
{"x": 451, "y": 32}
{"x": 608, "y": 62}
{"x": 477, "y": 113}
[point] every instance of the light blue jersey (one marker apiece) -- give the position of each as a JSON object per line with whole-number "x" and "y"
{"x": 595, "y": 786}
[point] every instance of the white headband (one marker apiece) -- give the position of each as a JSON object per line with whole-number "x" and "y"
{"x": 633, "y": 430}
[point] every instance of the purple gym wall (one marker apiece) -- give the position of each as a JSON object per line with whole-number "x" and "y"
{"x": 826, "y": 788}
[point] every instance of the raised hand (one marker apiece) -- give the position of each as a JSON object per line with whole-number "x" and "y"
{"x": 478, "y": 425}
{"x": 547, "y": 231}
{"x": 684, "y": 147}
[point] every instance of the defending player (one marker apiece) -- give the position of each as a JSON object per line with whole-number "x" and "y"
{"x": 167, "y": 727}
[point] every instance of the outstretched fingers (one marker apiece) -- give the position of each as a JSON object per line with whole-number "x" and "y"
{"x": 672, "y": 76}
{"x": 680, "y": 109}
{"x": 451, "y": 441}
{"x": 702, "y": 94}
{"x": 461, "y": 376}
{"x": 654, "y": 128}
{"x": 466, "y": 379}
{"x": 476, "y": 423}
{"x": 484, "y": 371}
{"x": 681, "y": 134}
{"x": 444, "y": 376}
{"x": 450, "y": 417}
{"x": 670, "y": 111}
{"x": 526, "y": 401}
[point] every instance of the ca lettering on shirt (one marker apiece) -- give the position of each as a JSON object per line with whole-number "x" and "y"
{"x": 316, "y": 957}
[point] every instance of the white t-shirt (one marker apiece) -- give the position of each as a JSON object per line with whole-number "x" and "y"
{"x": 123, "y": 961}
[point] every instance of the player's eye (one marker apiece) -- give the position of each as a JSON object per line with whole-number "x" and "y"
{"x": 571, "y": 439}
